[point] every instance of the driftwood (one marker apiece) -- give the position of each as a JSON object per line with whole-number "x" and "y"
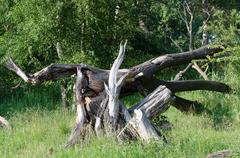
{"x": 97, "y": 93}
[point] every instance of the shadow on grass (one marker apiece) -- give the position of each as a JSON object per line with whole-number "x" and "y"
{"x": 219, "y": 109}
{"x": 221, "y": 115}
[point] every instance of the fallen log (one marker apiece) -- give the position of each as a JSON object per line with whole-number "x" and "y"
{"x": 184, "y": 85}
{"x": 137, "y": 75}
{"x": 147, "y": 69}
{"x": 97, "y": 93}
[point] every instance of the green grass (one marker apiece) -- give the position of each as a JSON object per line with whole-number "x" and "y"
{"x": 41, "y": 127}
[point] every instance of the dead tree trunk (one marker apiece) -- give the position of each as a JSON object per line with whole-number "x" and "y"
{"x": 64, "y": 82}
{"x": 114, "y": 87}
{"x": 97, "y": 93}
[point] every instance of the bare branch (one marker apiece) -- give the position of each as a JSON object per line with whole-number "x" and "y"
{"x": 151, "y": 66}
{"x": 181, "y": 73}
{"x": 114, "y": 86}
{"x": 59, "y": 50}
{"x": 12, "y": 66}
{"x": 199, "y": 70}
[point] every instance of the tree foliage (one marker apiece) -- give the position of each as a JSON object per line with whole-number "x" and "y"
{"x": 90, "y": 31}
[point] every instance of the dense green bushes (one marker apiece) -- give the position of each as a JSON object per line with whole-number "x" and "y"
{"x": 91, "y": 31}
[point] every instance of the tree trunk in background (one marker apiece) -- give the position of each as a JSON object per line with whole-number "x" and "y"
{"x": 205, "y": 35}
{"x": 65, "y": 102}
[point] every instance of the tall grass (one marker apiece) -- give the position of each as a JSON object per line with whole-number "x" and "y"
{"x": 41, "y": 127}
{"x": 43, "y": 133}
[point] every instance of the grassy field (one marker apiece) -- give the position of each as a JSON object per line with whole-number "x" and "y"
{"x": 40, "y": 128}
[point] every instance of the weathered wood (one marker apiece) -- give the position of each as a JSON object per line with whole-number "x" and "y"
{"x": 102, "y": 102}
{"x": 139, "y": 127}
{"x": 13, "y": 67}
{"x": 185, "y": 85}
{"x": 114, "y": 86}
{"x": 137, "y": 77}
{"x": 181, "y": 104}
{"x": 192, "y": 85}
{"x": 155, "y": 103}
{"x": 200, "y": 71}
{"x": 97, "y": 93}
{"x": 81, "y": 113}
{"x": 4, "y": 122}
{"x": 58, "y": 71}
{"x": 151, "y": 66}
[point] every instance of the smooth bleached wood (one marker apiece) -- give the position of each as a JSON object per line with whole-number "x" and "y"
{"x": 139, "y": 127}
{"x": 155, "y": 103}
{"x": 114, "y": 86}
{"x": 81, "y": 113}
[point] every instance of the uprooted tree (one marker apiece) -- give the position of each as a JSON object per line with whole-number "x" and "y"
{"x": 97, "y": 93}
